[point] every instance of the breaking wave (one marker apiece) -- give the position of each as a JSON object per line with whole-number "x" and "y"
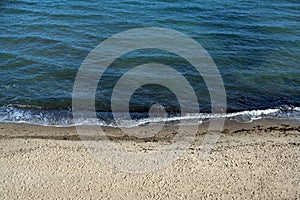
{"x": 63, "y": 118}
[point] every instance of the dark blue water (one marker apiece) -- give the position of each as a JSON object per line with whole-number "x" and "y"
{"x": 255, "y": 44}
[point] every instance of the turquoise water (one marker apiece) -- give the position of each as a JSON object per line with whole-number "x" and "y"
{"x": 255, "y": 44}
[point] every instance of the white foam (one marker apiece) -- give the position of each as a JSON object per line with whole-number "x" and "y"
{"x": 297, "y": 109}
{"x": 10, "y": 114}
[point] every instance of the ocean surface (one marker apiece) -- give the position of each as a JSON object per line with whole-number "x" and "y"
{"x": 255, "y": 45}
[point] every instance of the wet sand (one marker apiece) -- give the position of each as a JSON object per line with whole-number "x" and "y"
{"x": 259, "y": 160}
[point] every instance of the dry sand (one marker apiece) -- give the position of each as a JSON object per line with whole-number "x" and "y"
{"x": 258, "y": 160}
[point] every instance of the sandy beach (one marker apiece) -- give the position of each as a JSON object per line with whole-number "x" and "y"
{"x": 146, "y": 99}
{"x": 257, "y": 160}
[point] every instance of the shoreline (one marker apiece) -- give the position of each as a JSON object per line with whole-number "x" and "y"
{"x": 31, "y": 131}
{"x": 251, "y": 160}
{"x": 64, "y": 118}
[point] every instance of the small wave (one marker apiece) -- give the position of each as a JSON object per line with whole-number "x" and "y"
{"x": 297, "y": 109}
{"x": 33, "y": 115}
{"x": 64, "y": 118}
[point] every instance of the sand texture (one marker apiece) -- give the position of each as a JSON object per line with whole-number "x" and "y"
{"x": 250, "y": 161}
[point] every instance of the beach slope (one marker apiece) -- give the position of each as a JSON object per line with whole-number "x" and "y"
{"x": 254, "y": 160}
